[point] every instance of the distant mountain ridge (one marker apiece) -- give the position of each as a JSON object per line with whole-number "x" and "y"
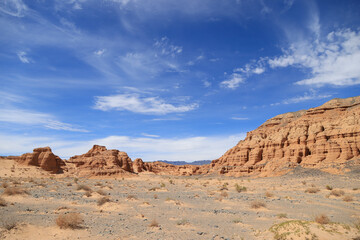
{"x": 199, "y": 162}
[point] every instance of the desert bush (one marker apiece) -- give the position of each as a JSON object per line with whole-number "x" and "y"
{"x": 70, "y": 220}
{"x": 154, "y": 223}
{"x": 14, "y": 191}
{"x": 282, "y": 215}
{"x": 257, "y": 204}
{"x": 131, "y": 197}
{"x": 156, "y": 196}
{"x": 239, "y": 188}
{"x": 337, "y": 192}
{"x": 269, "y": 194}
{"x": 101, "y": 201}
{"x": 2, "y": 202}
{"x": 101, "y": 192}
{"x": 154, "y": 188}
{"x": 76, "y": 180}
{"x": 99, "y": 184}
{"x": 303, "y": 182}
{"x": 171, "y": 181}
{"x": 322, "y": 219}
{"x": 329, "y": 187}
{"x": 237, "y": 220}
{"x": 355, "y": 189}
{"x": 162, "y": 185}
{"x": 10, "y": 225}
{"x": 87, "y": 193}
{"x": 69, "y": 184}
{"x": 348, "y": 198}
{"x": 168, "y": 199}
{"x": 357, "y": 224}
{"x": 182, "y": 222}
{"x": 83, "y": 187}
{"x": 5, "y": 185}
{"x": 224, "y": 194}
{"x": 312, "y": 190}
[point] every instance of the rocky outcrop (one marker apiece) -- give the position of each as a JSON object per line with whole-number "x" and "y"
{"x": 43, "y": 158}
{"x": 321, "y": 137}
{"x": 99, "y": 161}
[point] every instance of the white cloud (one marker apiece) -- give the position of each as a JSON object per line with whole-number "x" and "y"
{"x": 19, "y": 116}
{"x": 15, "y": 8}
{"x": 334, "y": 60}
{"x": 150, "y": 135}
{"x": 311, "y": 95}
{"x": 206, "y": 83}
{"x": 137, "y": 104}
{"x": 149, "y": 149}
{"x": 240, "y": 118}
{"x": 166, "y": 48}
{"x": 99, "y": 52}
{"x": 233, "y": 82}
{"x": 23, "y": 58}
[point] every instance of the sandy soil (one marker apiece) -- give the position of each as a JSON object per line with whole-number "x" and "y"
{"x": 168, "y": 207}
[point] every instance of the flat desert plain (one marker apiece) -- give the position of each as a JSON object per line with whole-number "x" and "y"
{"x": 304, "y": 204}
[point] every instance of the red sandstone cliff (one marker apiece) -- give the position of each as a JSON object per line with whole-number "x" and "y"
{"x": 325, "y": 136}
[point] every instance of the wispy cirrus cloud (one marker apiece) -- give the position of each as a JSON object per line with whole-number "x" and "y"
{"x": 311, "y": 95}
{"x": 15, "y": 8}
{"x": 23, "y": 58}
{"x": 233, "y": 81}
{"x": 133, "y": 102}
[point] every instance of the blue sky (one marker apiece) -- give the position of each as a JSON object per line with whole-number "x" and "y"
{"x": 163, "y": 79}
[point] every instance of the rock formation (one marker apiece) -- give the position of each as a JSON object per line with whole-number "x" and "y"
{"x": 321, "y": 137}
{"x": 44, "y": 158}
{"x": 99, "y": 161}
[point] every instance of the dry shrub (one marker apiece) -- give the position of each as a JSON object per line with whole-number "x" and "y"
{"x": 102, "y": 201}
{"x": 282, "y": 215}
{"x": 131, "y": 197}
{"x": 269, "y": 194}
{"x": 88, "y": 193}
{"x": 322, "y": 219}
{"x": 257, "y": 204}
{"x": 224, "y": 194}
{"x": 101, "y": 192}
{"x": 154, "y": 223}
{"x": 70, "y": 220}
{"x": 2, "y": 202}
{"x": 10, "y": 225}
{"x": 357, "y": 224}
{"x": 303, "y": 182}
{"x": 154, "y": 188}
{"x": 239, "y": 188}
{"x": 182, "y": 222}
{"x": 14, "y": 191}
{"x": 312, "y": 190}
{"x": 69, "y": 184}
{"x": 5, "y": 185}
{"x": 348, "y": 198}
{"x": 83, "y": 187}
{"x": 329, "y": 187}
{"x": 337, "y": 192}
{"x": 156, "y": 196}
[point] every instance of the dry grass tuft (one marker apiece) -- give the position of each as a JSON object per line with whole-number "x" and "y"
{"x": 132, "y": 197}
{"x": 348, "y": 198}
{"x": 87, "y": 193}
{"x": 5, "y": 185}
{"x": 322, "y": 219}
{"x": 11, "y": 225}
{"x": 329, "y": 187}
{"x": 14, "y": 191}
{"x": 224, "y": 194}
{"x": 101, "y": 192}
{"x": 269, "y": 194}
{"x": 257, "y": 204}
{"x": 239, "y": 188}
{"x": 2, "y": 202}
{"x": 102, "y": 201}
{"x": 70, "y": 220}
{"x": 83, "y": 187}
{"x": 156, "y": 196}
{"x": 312, "y": 190}
{"x": 154, "y": 223}
{"x": 182, "y": 222}
{"x": 337, "y": 192}
{"x": 282, "y": 215}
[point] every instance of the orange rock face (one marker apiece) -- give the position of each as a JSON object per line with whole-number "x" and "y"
{"x": 325, "y": 136}
{"x": 44, "y": 158}
{"x": 99, "y": 161}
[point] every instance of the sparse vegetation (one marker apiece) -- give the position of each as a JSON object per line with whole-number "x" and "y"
{"x": 101, "y": 201}
{"x": 269, "y": 194}
{"x": 337, "y": 192}
{"x": 131, "y": 197}
{"x": 154, "y": 188}
{"x": 322, "y": 219}
{"x": 282, "y": 215}
{"x": 182, "y": 222}
{"x": 224, "y": 194}
{"x": 5, "y": 185}
{"x": 10, "y": 225}
{"x": 303, "y": 182}
{"x": 257, "y": 204}
{"x": 2, "y": 202}
{"x": 101, "y": 192}
{"x": 83, "y": 187}
{"x": 240, "y": 188}
{"x": 14, "y": 191}
{"x": 154, "y": 223}
{"x": 156, "y": 196}
{"x": 329, "y": 187}
{"x": 312, "y": 190}
{"x": 87, "y": 193}
{"x": 237, "y": 220}
{"x": 70, "y": 220}
{"x": 348, "y": 198}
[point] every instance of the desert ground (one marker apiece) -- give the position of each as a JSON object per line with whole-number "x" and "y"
{"x": 304, "y": 204}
